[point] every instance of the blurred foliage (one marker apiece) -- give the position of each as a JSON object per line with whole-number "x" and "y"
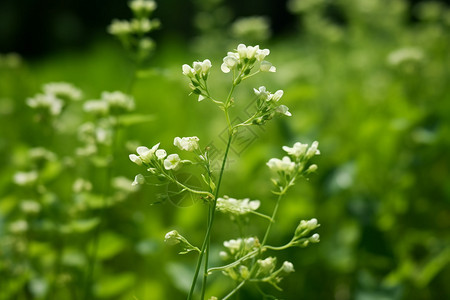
{"x": 359, "y": 76}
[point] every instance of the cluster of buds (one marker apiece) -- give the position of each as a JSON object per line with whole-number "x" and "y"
{"x": 54, "y": 98}
{"x": 267, "y": 272}
{"x": 174, "y": 238}
{"x": 132, "y": 34}
{"x": 297, "y": 163}
{"x": 304, "y": 228}
{"x": 198, "y": 74}
{"x": 267, "y": 105}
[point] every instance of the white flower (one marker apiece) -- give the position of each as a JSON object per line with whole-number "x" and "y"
{"x": 262, "y": 93}
{"x": 198, "y": 68}
{"x": 141, "y": 25}
{"x": 146, "y": 154}
{"x": 25, "y": 178}
{"x": 81, "y": 185}
{"x": 138, "y": 179}
{"x": 288, "y": 267}
{"x": 30, "y": 207}
{"x": 284, "y": 110}
{"x": 261, "y": 54}
{"x": 18, "y": 226}
{"x": 267, "y": 265}
{"x": 142, "y": 6}
{"x": 118, "y": 100}
{"x": 238, "y": 207}
{"x": 402, "y": 55}
{"x": 97, "y": 107}
{"x": 187, "y": 143}
{"x": 251, "y": 51}
{"x": 47, "y": 101}
{"x": 172, "y": 162}
{"x": 63, "y": 90}
{"x": 119, "y": 27}
{"x": 224, "y": 255}
{"x": 297, "y": 150}
{"x": 281, "y": 165}
{"x": 136, "y": 159}
{"x": 233, "y": 245}
{"x": 188, "y": 71}
{"x": 277, "y": 95}
{"x": 266, "y": 66}
{"x": 161, "y": 153}
{"x": 229, "y": 62}
{"x": 313, "y": 150}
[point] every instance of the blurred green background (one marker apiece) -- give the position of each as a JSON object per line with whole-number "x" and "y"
{"x": 368, "y": 79}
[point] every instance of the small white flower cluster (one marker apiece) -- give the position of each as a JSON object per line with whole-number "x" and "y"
{"x": 244, "y": 58}
{"x": 237, "y": 207}
{"x": 25, "y": 178}
{"x": 405, "y": 56}
{"x": 158, "y": 162}
{"x": 299, "y": 150}
{"x": 143, "y": 8}
{"x": 267, "y": 105}
{"x": 30, "y": 207}
{"x": 187, "y": 143}
{"x": 63, "y": 90}
{"x": 46, "y": 102}
{"x": 111, "y": 102}
{"x": 132, "y": 33}
{"x": 54, "y": 97}
{"x": 140, "y": 24}
{"x": 198, "y": 74}
{"x": 301, "y": 154}
{"x": 239, "y": 247}
{"x": 92, "y": 135}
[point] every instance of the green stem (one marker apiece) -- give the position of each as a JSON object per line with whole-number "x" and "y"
{"x": 208, "y": 231}
{"x": 275, "y": 210}
{"x": 235, "y": 263}
{"x": 234, "y": 290}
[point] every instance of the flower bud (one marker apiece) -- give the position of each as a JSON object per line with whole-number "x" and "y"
{"x": 138, "y": 179}
{"x": 288, "y": 267}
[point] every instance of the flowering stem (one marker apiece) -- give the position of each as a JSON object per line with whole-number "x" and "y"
{"x": 205, "y": 244}
{"x": 275, "y": 210}
{"x": 105, "y": 204}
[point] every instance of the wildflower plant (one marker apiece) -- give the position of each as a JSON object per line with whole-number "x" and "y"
{"x": 245, "y": 257}
{"x": 133, "y": 34}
